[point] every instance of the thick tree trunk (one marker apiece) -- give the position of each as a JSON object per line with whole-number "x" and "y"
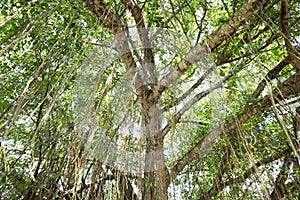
{"x": 156, "y": 175}
{"x": 156, "y": 182}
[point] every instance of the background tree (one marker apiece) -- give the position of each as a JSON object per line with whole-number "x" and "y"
{"x": 243, "y": 145}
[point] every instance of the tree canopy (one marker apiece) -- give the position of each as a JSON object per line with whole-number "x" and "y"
{"x": 130, "y": 99}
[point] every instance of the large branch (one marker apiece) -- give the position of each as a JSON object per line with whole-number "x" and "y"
{"x": 215, "y": 39}
{"x": 293, "y": 54}
{"x": 286, "y": 89}
{"x": 246, "y": 38}
{"x": 107, "y": 18}
{"x": 272, "y": 74}
{"x": 227, "y": 58}
{"x": 144, "y": 38}
{"x": 114, "y": 24}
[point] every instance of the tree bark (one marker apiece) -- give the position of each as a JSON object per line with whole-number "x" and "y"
{"x": 156, "y": 175}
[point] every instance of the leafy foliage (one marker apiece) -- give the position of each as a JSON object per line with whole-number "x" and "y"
{"x": 244, "y": 90}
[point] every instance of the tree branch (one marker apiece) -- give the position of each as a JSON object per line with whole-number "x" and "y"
{"x": 149, "y": 62}
{"x": 286, "y": 89}
{"x": 215, "y": 39}
{"x": 194, "y": 122}
{"x": 287, "y": 34}
{"x": 272, "y": 74}
{"x": 215, "y": 190}
{"x": 114, "y": 23}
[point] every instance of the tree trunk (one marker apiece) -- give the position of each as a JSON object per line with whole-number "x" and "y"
{"x": 156, "y": 175}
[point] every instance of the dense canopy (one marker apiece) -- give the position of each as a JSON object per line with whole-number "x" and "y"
{"x": 131, "y": 99}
